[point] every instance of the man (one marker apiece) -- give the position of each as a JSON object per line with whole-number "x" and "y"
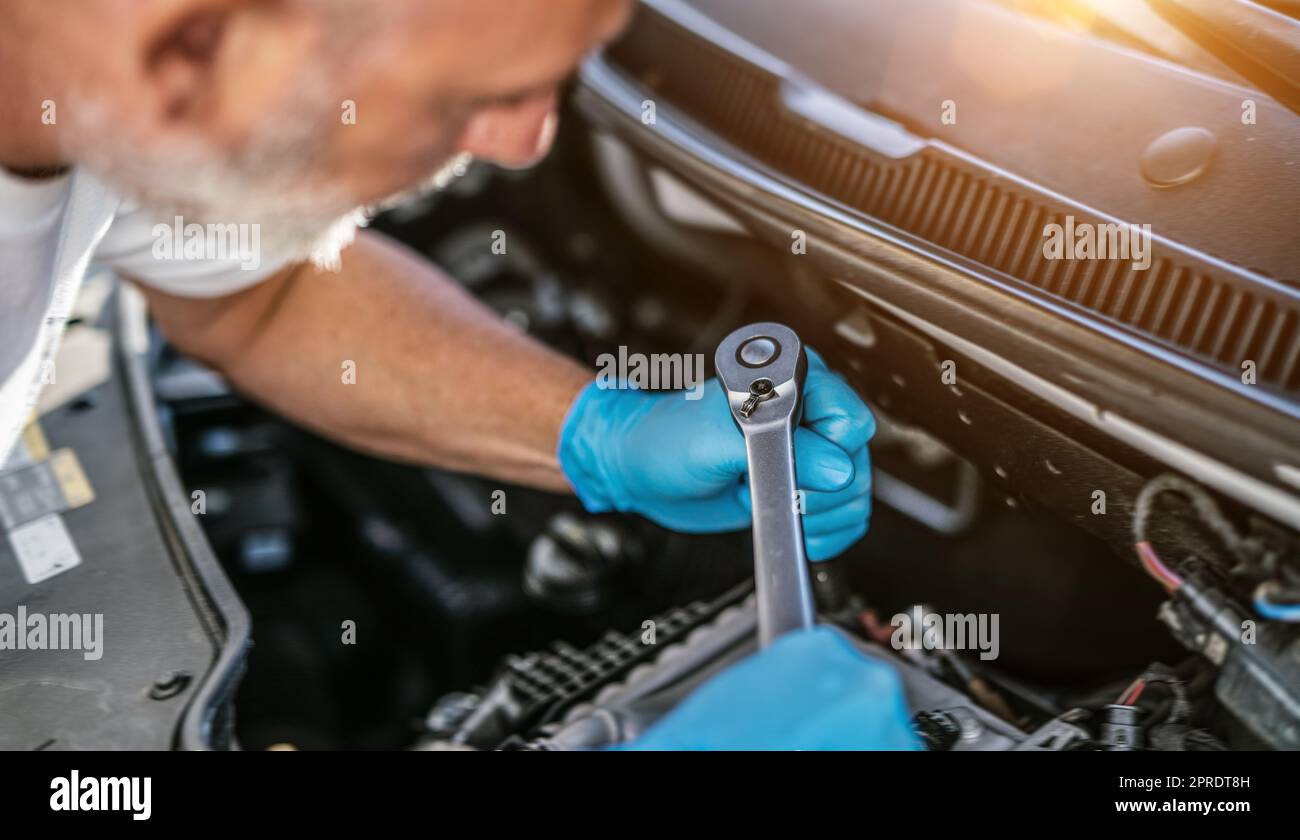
{"x": 284, "y": 117}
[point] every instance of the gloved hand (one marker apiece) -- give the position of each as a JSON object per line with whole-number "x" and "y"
{"x": 682, "y": 462}
{"x": 810, "y": 690}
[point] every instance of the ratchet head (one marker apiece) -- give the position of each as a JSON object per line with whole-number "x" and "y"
{"x": 762, "y": 369}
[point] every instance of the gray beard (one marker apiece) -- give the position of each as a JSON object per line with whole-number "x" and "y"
{"x": 299, "y": 219}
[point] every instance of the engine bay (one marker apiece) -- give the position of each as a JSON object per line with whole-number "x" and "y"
{"x": 493, "y": 617}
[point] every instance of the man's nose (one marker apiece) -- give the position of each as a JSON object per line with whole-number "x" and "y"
{"x": 616, "y": 15}
{"x": 517, "y": 135}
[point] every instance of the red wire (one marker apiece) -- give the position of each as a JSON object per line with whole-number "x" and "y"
{"x": 1158, "y": 570}
{"x": 1123, "y": 699}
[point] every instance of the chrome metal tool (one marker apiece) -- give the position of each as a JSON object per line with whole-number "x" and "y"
{"x": 762, "y": 369}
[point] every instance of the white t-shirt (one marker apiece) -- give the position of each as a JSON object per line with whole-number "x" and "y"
{"x": 50, "y": 231}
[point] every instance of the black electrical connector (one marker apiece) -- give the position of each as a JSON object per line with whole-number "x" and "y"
{"x": 1121, "y": 731}
{"x": 1258, "y": 678}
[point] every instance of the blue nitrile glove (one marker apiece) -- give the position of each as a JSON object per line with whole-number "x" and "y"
{"x": 810, "y": 690}
{"x": 682, "y": 462}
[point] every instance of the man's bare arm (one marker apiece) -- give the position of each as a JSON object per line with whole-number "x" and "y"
{"x": 440, "y": 379}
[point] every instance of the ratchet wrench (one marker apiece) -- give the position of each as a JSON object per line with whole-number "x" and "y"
{"x": 762, "y": 369}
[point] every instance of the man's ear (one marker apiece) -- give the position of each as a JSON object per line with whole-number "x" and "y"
{"x": 182, "y": 56}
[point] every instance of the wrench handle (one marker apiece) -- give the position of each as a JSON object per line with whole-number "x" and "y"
{"x": 782, "y": 584}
